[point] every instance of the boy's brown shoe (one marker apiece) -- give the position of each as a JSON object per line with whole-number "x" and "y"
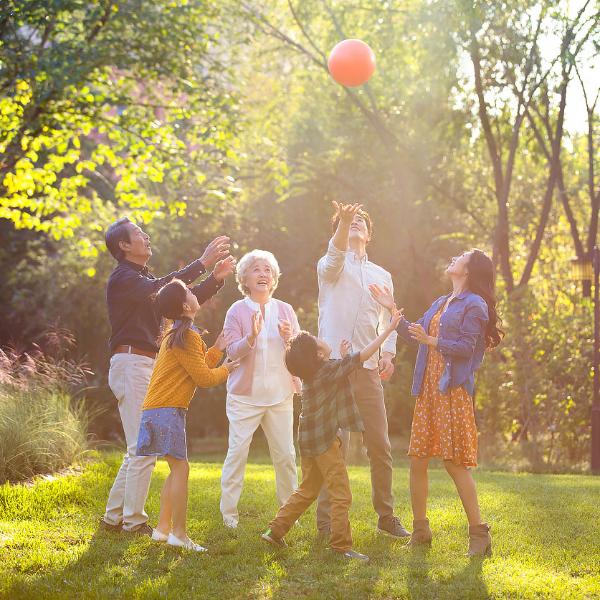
{"x": 268, "y": 537}
{"x": 352, "y": 555}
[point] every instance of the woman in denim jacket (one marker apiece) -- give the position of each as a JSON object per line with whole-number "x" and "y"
{"x": 452, "y": 336}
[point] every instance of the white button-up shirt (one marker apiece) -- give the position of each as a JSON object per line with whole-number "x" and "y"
{"x": 271, "y": 381}
{"x": 347, "y": 311}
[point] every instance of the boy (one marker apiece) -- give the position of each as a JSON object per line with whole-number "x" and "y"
{"x": 327, "y": 405}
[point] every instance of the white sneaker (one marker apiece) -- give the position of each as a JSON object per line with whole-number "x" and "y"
{"x": 159, "y": 536}
{"x": 230, "y": 522}
{"x": 187, "y": 544}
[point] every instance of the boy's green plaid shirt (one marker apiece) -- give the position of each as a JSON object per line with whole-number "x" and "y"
{"x": 328, "y": 405}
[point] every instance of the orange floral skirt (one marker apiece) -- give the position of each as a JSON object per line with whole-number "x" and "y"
{"x": 443, "y": 425}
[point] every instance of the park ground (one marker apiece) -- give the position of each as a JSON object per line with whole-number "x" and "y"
{"x": 546, "y": 531}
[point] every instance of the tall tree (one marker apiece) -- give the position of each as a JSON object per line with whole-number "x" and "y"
{"x": 105, "y": 102}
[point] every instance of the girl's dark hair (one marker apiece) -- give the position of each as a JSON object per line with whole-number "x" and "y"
{"x": 169, "y": 304}
{"x": 301, "y": 356}
{"x": 481, "y": 281}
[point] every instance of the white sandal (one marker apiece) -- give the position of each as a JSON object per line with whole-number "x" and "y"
{"x": 187, "y": 544}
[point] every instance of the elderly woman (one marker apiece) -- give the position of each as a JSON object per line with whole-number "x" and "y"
{"x": 261, "y": 390}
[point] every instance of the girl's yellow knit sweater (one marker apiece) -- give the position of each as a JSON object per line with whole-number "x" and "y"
{"x": 179, "y": 371}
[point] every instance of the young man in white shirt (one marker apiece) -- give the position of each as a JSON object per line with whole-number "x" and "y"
{"x": 347, "y": 311}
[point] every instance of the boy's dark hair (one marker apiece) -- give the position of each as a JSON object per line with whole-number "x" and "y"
{"x": 301, "y": 358}
{"x": 117, "y": 232}
{"x": 335, "y": 220}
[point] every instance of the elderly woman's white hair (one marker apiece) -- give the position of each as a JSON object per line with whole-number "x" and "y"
{"x": 246, "y": 262}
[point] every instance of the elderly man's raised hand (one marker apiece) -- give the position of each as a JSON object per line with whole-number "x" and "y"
{"x": 217, "y": 250}
{"x": 224, "y": 268}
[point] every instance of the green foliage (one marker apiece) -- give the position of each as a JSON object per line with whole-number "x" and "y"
{"x": 107, "y": 106}
{"x": 51, "y": 546}
{"x": 534, "y": 391}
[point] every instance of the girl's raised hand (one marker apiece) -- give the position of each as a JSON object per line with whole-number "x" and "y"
{"x": 220, "y": 342}
{"x": 383, "y": 295}
{"x": 231, "y": 365}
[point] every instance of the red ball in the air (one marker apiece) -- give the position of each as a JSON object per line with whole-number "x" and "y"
{"x": 351, "y": 63}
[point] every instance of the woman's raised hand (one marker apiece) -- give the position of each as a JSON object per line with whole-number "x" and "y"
{"x": 285, "y": 330}
{"x": 419, "y": 334}
{"x": 257, "y": 323}
{"x": 383, "y": 295}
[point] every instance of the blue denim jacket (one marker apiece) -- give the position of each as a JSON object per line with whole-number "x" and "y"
{"x": 461, "y": 341}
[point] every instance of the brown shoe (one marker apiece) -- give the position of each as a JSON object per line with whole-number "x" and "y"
{"x": 351, "y": 555}
{"x": 480, "y": 540}
{"x": 110, "y": 527}
{"x": 268, "y": 537}
{"x": 143, "y": 529}
{"x": 392, "y": 527}
{"x": 421, "y": 535}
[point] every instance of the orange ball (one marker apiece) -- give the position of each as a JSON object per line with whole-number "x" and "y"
{"x": 351, "y": 63}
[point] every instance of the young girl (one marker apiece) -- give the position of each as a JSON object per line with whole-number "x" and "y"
{"x": 453, "y": 336}
{"x": 183, "y": 363}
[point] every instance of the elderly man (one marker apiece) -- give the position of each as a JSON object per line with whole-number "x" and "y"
{"x": 347, "y": 311}
{"x": 133, "y": 345}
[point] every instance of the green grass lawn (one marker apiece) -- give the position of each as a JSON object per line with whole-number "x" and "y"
{"x": 546, "y": 531}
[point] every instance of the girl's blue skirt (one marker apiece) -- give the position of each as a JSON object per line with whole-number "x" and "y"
{"x": 162, "y": 432}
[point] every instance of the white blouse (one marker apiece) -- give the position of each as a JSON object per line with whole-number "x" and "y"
{"x": 271, "y": 381}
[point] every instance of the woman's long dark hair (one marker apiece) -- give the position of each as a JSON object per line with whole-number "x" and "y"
{"x": 481, "y": 281}
{"x": 169, "y": 304}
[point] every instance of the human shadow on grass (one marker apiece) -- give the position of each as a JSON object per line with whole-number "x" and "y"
{"x": 104, "y": 553}
{"x": 467, "y": 583}
{"x": 320, "y": 573}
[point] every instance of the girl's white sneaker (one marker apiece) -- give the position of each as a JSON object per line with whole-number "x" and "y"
{"x": 230, "y": 522}
{"x": 159, "y": 536}
{"x": 187, "y": 544}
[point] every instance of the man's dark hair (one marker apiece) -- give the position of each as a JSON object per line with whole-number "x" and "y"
{"x": 301, "y": 358}
{"x": 117, "y": 232}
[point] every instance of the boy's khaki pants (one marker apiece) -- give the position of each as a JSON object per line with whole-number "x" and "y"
{"x": 368, "y": 394}
{"x": 329, "y": 470}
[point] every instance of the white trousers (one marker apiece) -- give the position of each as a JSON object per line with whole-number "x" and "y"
{"x": 277, "y": 423}
{"x": 128, "y": 378}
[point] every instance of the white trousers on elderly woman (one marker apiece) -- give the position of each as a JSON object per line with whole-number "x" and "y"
{"x": 277, "y": 422}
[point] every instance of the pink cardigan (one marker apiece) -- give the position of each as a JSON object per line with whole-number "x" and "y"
{"x": 236, "y": 329}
